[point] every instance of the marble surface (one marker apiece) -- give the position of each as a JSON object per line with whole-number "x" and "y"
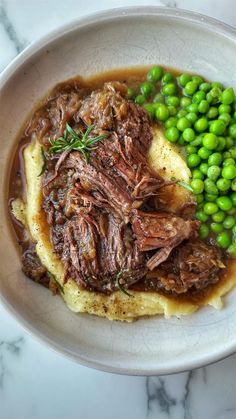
{"x": 37, "y": 383}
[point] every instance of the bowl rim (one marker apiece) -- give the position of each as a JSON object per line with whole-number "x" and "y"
{"x": 29, "y": 52}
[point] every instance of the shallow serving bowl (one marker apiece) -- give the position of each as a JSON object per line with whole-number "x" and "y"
{"x": 118, "y": 38}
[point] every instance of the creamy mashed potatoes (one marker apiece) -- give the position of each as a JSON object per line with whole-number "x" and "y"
{"x": 166, "y": 160}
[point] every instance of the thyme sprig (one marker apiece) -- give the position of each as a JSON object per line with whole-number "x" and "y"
{"x": 118, "y": 279}
{"x": 72, "y": 140}
{"x": 53, "y": 277}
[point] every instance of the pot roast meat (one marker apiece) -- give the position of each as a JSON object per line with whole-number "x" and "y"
{"x": 98, "y": 212}
{"x": 32, "y": 267}
{"x": 100, "y": 248}
{"x": 192, "y": 266}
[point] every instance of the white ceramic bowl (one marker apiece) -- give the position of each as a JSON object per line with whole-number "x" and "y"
{"x": 117, "y": 38}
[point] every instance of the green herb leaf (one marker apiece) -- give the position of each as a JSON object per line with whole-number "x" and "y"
{"x": 122, "y": 289}
{"x": 76, "y": 141}
{"x": 44, "y": 162}
{"x": 52, "y": 276}
{"x": 185, "y": 185}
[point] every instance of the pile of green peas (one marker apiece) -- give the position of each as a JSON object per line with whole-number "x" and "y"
{"x": 201, "y": 117}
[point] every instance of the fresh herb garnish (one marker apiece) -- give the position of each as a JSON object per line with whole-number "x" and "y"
{"x": 185, "y": 185}
{"x": 44, "y": 162}
{"x": 73, "y": 141}
{"x": 59, "y": 286}
{"x": 118, "y": 278}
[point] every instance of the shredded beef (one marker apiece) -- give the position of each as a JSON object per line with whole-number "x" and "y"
{"x": 102, "y": 223}
{"x": 32, "y": 267}
{"x": 191, "y": 266}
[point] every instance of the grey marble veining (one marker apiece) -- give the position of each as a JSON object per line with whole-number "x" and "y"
{"x": 37, "y": 383}
{"x": 9, "y": 28}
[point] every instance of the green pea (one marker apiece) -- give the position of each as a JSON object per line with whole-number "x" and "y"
{"x": 146, "y": 88}
{"x": 218, "y": 217}
{"x": 197, "y": 141}
{"x": 210, "y": 208}
{"x": 184, "y": 79}
{"x": 201, "y": 216}
{"x": 158, "y": 98}
{"x": 204, "y": 153}
{"x": 193, "y": 108}
{"x": 229, "y": 222}
{"x": 169, "y": 89}
{"x": 154, "y": 74}
{"x": 232, "y": 131}
{"x": 215, "y": 159}
{"x": 229, "y": 172}
{"x": 190, "y": 149}
{"x": 203, "y": 106}
{"x": 212, "y": 113}
{"x": 193, "y": 160}
{"x": 228, "y": 161}
{"x": 223, "y": 239}
{"x": 221, "y": 144}
{"x": 130, "y": 93}
{"x": 198, "y": 97}
{"x": 210, "y": 197}
{"x": 201, "y": 125}
{"x": 228, "y": 142}
{"x": 181, "y": 113}
{"x": 190, "y": 88}
{"x": 216, "y": 228}
{"x": 214, "y": 95}
{"x": 150, "y": 108}
{"x": 167, "y": 78}
{"x": 204, "y": 168}
{"x": 162, "y": 112}
{"x": 217, "y": 127}
{"x": 172, "y": 110}
{"x": 197, "y": 186}
{"x": 203, "y": 231}
{"x": 233, "y": 198}
{"x": 210, "y": 141}
{"x": 213, "y": 172}
{"x": 173, "y": 101}
{"x": 232, "y": 152}
{"x": 185, "y": 102}
{"x": 223, "y": 184}
{"x": 224, "y": 203}
{"x": 226, "y": 154}
{"x": 196, "y": 173}
{"x": 205, "y": 87}
{"x": 224, "y": 109}
{"x": 189, "y": 134}
{"x": 232, "y": 250}
{"x": 171, "y": 122}
{"x": 210, "y": 187}
{"x": 233, "y": 185}
{"x": 192, "y": 117}
{"x": 199, "y": 198}
{"x": 140, "y": 99}
{"x": 172, "y": 134}
{"x": 197, "y": 79}
{"x": 183, "y": 123}
{"x": 226, "y": 118}
{"x": 227, "y": 96}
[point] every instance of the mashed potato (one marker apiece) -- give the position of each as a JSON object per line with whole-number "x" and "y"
{"x": 164, "y": 158}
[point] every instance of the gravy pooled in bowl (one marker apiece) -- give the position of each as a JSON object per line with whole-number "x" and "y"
{"x": 124, "y": 184}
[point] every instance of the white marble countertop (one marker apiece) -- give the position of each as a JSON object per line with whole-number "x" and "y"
{"x": 35, "y": 382}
